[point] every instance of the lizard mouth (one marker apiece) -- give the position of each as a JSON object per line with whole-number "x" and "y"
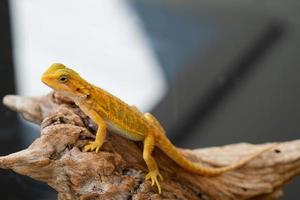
{"x": 50, "y": 81}
{"x": 45, "y": 79}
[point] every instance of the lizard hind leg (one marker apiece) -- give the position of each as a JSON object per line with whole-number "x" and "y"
{"x": 153, "y": 174}
{"x": 149, "y": 144}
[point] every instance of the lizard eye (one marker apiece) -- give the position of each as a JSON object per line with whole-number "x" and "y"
{"x": 63, "y": 78}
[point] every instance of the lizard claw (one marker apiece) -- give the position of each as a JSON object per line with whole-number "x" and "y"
{"x": 154, "y": 175}
{"x": 92, "y": 146}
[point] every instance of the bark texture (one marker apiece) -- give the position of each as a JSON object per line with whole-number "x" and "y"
{"x": 118, "y": 170}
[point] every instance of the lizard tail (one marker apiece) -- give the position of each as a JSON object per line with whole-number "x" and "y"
{"x": 175, "y": 154}
{"x": 168, "y": 148}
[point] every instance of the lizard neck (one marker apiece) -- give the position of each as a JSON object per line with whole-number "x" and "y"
{"x": 81, "y": 91}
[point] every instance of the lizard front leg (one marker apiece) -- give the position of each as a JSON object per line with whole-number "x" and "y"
{"x": 100, "y": 135}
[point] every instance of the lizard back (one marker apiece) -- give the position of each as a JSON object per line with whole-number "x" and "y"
{"x": 120, "y": 117}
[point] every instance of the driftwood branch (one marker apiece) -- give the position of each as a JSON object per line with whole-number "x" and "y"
{"x": 118, "y": 170}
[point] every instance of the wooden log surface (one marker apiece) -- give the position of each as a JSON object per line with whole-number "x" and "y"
{"x": 118, "y": 170}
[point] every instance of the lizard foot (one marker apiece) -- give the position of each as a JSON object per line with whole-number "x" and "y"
{"x": 154, "y": 175}
{"x": 92, "y": 146}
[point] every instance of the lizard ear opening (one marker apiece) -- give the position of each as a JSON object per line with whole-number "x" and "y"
{"x": 63, "y": 79}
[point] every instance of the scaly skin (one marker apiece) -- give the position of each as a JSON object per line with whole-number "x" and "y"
{"x": 110, "y": 112}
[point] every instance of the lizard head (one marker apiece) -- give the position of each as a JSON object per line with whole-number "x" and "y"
{"x": 61, "y": 78}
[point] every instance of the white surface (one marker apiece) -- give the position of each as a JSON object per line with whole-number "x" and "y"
{"x": 102, "y": 40}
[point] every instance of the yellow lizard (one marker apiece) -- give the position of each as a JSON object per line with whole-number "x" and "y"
{"x": 108, "y": 111}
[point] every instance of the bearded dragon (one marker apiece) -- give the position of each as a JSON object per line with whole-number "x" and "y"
{"x": 110, "y": 112}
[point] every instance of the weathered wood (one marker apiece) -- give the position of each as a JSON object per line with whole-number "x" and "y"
{"x": 118, "y": 170}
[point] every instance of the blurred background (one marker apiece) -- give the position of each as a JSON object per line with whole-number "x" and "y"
{"x": 213, "y": 72}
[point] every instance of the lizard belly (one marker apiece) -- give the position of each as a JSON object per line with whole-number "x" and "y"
{"x": 131, "y": 136}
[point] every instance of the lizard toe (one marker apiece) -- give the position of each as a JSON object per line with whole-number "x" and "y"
{"x": 154, "y": 176}
{"x": 92, "y": 146}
